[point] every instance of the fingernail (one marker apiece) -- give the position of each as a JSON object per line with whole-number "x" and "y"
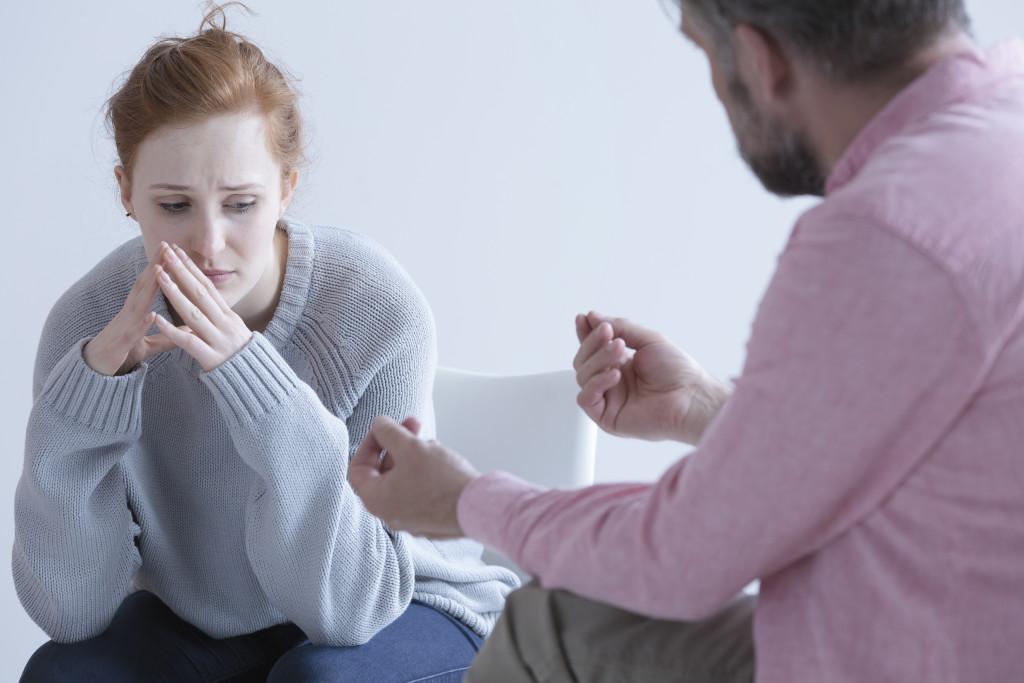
{"x": 181, "y": 252}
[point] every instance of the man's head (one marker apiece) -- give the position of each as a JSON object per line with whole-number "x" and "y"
{"x": 846, "y": 42}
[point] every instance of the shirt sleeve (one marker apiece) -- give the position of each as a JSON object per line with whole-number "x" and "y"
{"x": 861, "y": 356}
{"x": 74, "y": 553}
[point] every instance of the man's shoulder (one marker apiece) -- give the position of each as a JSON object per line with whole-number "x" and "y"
{"x": 949, "y": 185}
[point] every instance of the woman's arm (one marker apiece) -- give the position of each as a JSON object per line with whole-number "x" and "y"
{"x": 74, "y": 552}
{"x": 322, "y": 559}
{"x": 74, "y": 547}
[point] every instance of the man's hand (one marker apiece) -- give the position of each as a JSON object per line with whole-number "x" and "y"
{"x": 635, "y": 382}
{"x": 412, "y": 485}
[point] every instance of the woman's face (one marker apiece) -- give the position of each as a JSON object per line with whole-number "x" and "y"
{"x": 214, "y": 189}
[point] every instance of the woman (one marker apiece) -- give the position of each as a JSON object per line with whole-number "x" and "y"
{"x": 183, "y": 512}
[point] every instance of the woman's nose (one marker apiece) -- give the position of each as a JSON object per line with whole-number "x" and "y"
{"x": 207, "y": 237}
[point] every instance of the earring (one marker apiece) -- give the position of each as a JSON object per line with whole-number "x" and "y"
{"x": 128, "y": 215}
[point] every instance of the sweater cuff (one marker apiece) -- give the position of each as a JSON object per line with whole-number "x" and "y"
{"x": 487, "y": 506}
{"x": 251, "y": 383}
{"x": 112, "y": 405}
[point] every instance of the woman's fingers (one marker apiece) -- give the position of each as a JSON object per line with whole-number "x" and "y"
{"x": 191, "y": 281}
{"x": 150, "y": 346}
{"x": 188, "y": 309}
{"x": 143, "y": 292}
{"x": 216, "y": 333}
{"x": 188, "y": 341}
{"x": 115, "y": 349}
{"x": 200, "y": 277}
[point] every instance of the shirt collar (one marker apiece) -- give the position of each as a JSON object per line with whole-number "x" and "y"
{"x": 953, "y": 79}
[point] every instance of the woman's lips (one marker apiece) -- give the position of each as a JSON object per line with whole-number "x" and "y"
{"x": 218, "y": 277}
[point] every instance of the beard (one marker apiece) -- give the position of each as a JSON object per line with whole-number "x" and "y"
{"x": 781, "y": 158}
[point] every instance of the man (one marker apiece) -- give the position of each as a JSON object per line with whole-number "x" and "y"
{"x": 868, "y": 465}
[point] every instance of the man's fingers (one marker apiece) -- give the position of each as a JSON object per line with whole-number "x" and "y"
{"x": 592, "y": 397}
{"x": 612, "y": 355}
{"x": 412, "y": 424}
{"x": 583, "y": 327}
{"x": 390, "y": 435}
{"x": 364, "y": 470}
{"x": 635, "y": 336}
{"x": 598, "y": 338}
{"x": 385, "y": 434}
{"x": 364, "y": 476}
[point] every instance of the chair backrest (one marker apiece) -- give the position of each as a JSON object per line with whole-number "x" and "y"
{"x": 527, "y": 425}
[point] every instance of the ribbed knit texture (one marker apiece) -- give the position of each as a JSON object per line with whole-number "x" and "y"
{"x": 225, "y": 493}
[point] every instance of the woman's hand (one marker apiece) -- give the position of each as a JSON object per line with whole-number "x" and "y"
{"x": 123, "y": 343}
{"x": 635, "y": 382}
{"x": 212, "y": 332}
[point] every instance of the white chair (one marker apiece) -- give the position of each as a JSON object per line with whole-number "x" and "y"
{"x": 527, "y": 425}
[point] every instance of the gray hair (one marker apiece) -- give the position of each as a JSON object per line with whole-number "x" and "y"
{"x": 851, "y": 40}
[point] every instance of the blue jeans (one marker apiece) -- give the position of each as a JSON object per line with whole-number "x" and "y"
{"x": 147, "y": 642}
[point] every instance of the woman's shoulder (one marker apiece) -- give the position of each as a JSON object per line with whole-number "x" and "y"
{"x": 353, "y": 251}
{"x": 90, "y": 303}
{"x": 354, "y": 275}
{"x": 105, "y": 286}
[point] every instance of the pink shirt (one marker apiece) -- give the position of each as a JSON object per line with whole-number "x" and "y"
{"x": 869, "y": 467}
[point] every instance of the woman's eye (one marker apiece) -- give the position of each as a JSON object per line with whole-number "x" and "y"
{"x": 241, "y": 207}
{"x": 174, "y": 207}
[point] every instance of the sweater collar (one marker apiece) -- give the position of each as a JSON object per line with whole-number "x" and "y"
{"x": 295, "y": 290}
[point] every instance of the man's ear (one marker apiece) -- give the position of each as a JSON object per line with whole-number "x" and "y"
{"x": 126, "y": 189}
{"x": 763, "y": 64}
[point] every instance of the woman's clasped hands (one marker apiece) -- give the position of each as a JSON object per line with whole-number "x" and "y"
{"x": 210, "y": 331}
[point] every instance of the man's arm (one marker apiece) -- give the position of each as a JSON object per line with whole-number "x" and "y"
{"x": 862, "y": 355}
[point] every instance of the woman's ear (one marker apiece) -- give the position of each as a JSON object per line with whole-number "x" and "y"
{"x": 767, "y": 68}
{"x": 289, "y": 192}
{"x": 126, "y": 190}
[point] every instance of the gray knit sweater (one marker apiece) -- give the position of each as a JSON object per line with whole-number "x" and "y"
{"x": 225, "y": 493}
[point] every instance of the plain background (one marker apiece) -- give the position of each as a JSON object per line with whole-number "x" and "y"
{"x": 523, "y": 160}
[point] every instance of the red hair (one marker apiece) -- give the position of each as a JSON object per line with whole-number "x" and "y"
{"x": 183, "y": 80}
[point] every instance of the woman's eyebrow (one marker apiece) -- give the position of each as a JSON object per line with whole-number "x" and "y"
{"x": 224, "y": 188}
{"x": 239, "y": 188}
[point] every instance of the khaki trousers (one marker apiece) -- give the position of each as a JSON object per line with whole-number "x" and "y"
{"x": 556, "y": 637}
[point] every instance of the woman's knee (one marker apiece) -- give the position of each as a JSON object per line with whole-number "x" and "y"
{"x": 302, "y": 663}
{"x": 65, "y": 662}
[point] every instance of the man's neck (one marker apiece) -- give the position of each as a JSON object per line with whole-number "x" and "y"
{"x": 836, "y": 114}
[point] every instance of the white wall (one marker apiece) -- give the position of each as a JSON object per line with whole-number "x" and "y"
{"x": 524, "y": 160}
